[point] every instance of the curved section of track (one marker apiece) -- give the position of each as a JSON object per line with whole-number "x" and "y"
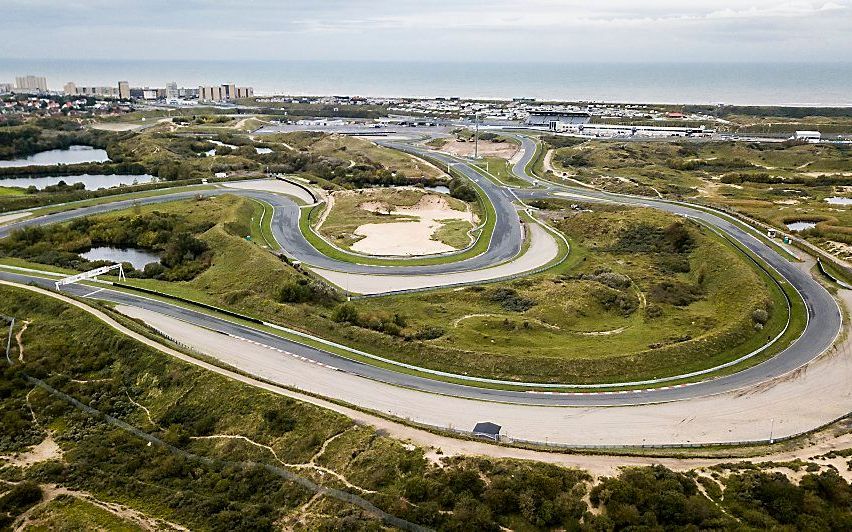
{"x": 823, "y": 325}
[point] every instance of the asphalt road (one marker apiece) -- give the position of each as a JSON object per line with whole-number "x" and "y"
{"x": 823, "y": 326}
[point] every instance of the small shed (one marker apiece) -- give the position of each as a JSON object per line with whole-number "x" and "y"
{"x": 486, "y": 429}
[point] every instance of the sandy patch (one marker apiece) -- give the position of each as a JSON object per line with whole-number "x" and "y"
{"x": 839, "y": 249}
{"x": 409, "y": 237}
{"x": 6, "y": 218}
{"x": 786, "y": 202}
{"x": 44, "y": 451}
{"x": 504, "y": 150}
{"x": 116, "y": 126}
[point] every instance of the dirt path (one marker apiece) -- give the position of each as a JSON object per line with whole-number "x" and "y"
{"x": 52, "y": 491}
{"x": 306, "y": 465}
{"x": 20, "y": 342}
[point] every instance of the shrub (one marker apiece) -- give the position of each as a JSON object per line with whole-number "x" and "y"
{"x": 509, "y": 299}
{"x": 20, "y": 497}
{"x": 461, "y": 189}
{"x": 429, "y": 333}
{"x": 674, "y": 293}
{"x": 345, "y": 313}
{"x": 760, "y": 316}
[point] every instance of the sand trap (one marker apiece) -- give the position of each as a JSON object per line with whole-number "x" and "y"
{"x": 409, "y": 237}
{"x": 5, "y": 218}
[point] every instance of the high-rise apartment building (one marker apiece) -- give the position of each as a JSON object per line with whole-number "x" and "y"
{"x": 172, "y": 90}
{"x": 227, "y": 92}
{"x": 124, "y": 90}
{"x": 30, "y": 83}
{"x": 70, "y": 89}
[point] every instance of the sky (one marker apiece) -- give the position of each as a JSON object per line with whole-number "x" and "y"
{"x": 434, "y": 30}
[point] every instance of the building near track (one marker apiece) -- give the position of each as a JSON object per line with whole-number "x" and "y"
{"x": 622, "y": 131}
{"x": 808, "y": 136}
{"x": 551, "y": 119}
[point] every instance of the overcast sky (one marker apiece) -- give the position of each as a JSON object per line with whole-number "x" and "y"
{"x": 440, "y": 30}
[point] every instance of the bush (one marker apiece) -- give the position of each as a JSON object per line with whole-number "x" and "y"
{"x": 20, "y": 497}
{"x": 760, "y": 316}
{"x": 429, "y": 333}
{"x": 509, "y": 299}
{"x": 674, "y": 293}
{"x": 345, "y": 313}
{"x": 461, "y": 189}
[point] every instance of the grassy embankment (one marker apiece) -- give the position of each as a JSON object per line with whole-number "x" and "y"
{"x": 560, "y": 325}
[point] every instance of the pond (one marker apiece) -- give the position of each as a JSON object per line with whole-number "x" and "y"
{"x": 440, "y": 189}
{"x": 73, "y": 155}
{"x": 91, "y": 181}
{"x": 137, "y": 257}
{"x": 263, "y": 150}
{"x": 800, "y": 226}
{"x": 837, "y": 200}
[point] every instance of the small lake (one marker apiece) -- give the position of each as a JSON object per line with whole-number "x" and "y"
{"x": 800, "y": 226}
{"x": 137, "y": 257}
{"x": 73, "y": 155}
{"x": 92, "y": 181}
{"x": 837, "y": 200}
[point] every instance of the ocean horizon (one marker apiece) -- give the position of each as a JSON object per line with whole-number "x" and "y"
{"x": 783, "y": 84}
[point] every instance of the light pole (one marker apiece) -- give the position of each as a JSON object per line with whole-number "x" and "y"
{"x": 772, "y": 431}
{"x": 476, "y": 135}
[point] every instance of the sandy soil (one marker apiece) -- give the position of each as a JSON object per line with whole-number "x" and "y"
{"x": 116, "y": 126}
{"x": 504, "y": 150}
{"x": 543, "y": 248}
{"x": 6, "y": 218}
{"x": 272, "y": 185}
{"x": 46, "y": 450}
{"x": 408, "y": 238}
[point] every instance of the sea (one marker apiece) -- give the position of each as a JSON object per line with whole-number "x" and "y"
{"x": 801, "y": 84}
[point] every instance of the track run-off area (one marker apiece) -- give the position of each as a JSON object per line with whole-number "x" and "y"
{"x": 801, "y": 388}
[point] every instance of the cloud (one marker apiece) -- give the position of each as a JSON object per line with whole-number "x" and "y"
{"x": 606, "y": 30}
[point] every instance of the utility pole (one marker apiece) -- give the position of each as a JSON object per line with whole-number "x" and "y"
{"x": 476, "y": 136}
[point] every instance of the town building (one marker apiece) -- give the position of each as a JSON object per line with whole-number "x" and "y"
{"x": 124, "y": 90}
{"x": 30, "y": 83}
{"x": 226, "y": 92}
